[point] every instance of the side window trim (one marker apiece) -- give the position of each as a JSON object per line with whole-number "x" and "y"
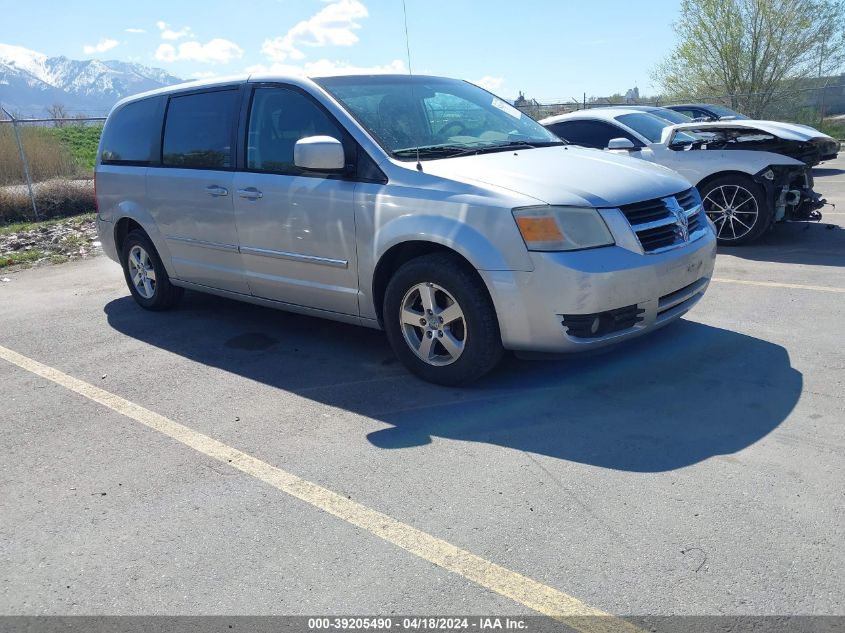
{"x": 233, "y": 126}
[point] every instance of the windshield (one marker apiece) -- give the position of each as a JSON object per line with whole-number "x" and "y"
{"x": 440, "y": 117}
{"x": 644, "y": 124}
{"x": 722, "y": 111}
{"x": 651, "y": 127}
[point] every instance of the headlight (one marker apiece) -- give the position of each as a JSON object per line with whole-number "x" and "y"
{"x": 561, "y": 228}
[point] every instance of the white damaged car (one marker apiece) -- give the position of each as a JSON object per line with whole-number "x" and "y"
{"x": 745, "y": 184}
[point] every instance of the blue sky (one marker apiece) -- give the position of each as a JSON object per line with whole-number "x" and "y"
{"x": 547, "y": 49}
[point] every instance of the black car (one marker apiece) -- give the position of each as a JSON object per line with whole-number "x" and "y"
{"x": 706, "y": 112}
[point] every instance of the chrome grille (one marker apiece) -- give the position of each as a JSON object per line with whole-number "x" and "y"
{"x": 657, "y": 224}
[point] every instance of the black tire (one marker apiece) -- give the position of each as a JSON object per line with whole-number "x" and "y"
{"x": 448, "y": 278}
{"x": 737, "y": 206}
{"x": 163, "y": 295}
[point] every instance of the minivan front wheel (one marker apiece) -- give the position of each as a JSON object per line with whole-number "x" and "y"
{"x": 145, "y": 274}
{"x": 440, "y": 321}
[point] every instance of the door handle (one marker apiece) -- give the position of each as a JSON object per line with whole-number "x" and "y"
{"x": 250, "y": 193}
{"x": 214, "y": 190}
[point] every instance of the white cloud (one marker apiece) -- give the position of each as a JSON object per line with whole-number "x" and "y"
{"x": 204, "y": 74}
{"x": 212, "y": 52}
{"x": 169, "y": 34}
{"x": 136, "y": 30}
{"x": 489, "y": 82}
{"x": 100, "y": 47}
{"x": 325, "y": 67}
{"x": 334, "y": 25}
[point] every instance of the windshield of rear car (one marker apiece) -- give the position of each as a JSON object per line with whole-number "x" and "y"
{"x": 437, "y": 116}
{"x": 670, "y": 115}
{"x": 722, "y": 111}
{"x": 651, "y": 127}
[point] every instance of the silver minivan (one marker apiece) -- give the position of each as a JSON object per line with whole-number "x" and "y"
{"x": 424, "y": 206}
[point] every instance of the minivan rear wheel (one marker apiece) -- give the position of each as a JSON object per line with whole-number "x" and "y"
{"x": 440, "y": 320}
{"x": 145, "y": 274}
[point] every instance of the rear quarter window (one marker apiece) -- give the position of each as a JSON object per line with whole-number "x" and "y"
{"x": 132, "y": 133}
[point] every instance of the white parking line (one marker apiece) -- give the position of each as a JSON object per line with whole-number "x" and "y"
{"x": 530, "y": 593}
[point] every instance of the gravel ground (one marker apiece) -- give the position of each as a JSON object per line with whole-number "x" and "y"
{"x": 49, "y": 242}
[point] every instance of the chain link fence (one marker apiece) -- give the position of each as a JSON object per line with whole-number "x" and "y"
{"x": 46, "y": 165}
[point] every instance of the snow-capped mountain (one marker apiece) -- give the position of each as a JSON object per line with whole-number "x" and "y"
{"x": 30, "y": 82}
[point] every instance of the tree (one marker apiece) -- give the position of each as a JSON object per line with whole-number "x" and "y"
{"x": 750, "y": 49}
{"x": 57, "y": 111}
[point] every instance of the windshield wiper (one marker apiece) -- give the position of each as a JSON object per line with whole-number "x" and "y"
{"x": 429, "y": 151}
{"x": 450, "y": 150}
{"x": 498, "y": 147}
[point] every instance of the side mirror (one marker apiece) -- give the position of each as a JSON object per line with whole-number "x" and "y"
{"x": 621, "y": 143}
{"x": 319, "y": 153}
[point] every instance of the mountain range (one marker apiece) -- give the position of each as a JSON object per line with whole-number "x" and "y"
{"x": 30, "y": 82}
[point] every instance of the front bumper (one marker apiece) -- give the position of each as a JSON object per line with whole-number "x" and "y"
{"x": 828, "y": 148}
{"x": 532, "y": 306}
{"x": 789, "y": 192}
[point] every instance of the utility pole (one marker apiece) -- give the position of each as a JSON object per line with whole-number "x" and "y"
{"x": 23, "y": 160}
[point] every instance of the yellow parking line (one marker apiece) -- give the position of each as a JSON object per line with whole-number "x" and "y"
{"x": 511, "y": 584}
{"x": 776, "y": 284}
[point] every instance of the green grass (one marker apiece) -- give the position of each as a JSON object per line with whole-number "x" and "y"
{"x": 17, "y": 227}
{"x": 836, "y": 129}
{"x": 80, "y": 140}
{"x": 21, "y": 257}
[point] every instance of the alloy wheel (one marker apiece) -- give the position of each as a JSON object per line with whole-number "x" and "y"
{"x": 733, "y": 209}
{"x": 433, "y": 324}
{"x": 141, "y": 272}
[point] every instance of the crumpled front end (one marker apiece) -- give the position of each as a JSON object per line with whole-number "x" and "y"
{"x": 789, "y": 190}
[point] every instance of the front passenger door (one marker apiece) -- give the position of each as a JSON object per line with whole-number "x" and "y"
{"x": 296, "y": 228}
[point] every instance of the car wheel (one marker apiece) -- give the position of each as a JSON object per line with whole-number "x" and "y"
{"x": 145, "y": 274}
{"x": 737, "y": 206}
{"x": 440, "y": 320}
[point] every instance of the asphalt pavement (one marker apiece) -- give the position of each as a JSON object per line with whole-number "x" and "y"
{"x": 696, "y": 471}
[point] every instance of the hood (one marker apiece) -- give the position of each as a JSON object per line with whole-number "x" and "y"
{"x": 795, "y": 128}
{"x": 786, "y": 131}
{"x": 565, "y": 175}
{"x": 802, "y": 144}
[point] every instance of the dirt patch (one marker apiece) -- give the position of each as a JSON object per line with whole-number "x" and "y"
{"x": 48, "y": 242}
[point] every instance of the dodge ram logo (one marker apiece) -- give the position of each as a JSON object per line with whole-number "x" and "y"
{"x": 681, "y": 219}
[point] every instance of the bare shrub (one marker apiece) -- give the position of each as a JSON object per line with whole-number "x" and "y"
{"x": 46, "y": 156}
{"x": 54, "y": 198}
